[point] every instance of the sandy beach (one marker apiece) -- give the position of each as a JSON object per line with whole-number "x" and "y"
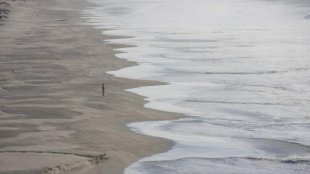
{"x": 54, "y": 118}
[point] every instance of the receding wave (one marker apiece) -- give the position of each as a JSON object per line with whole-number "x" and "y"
{"x": 237, "y": 102}
{"x": 225, "y": 165}
{"x": 292, "y": 160}
{"x": 247, "y": 73}
{"x": 187, "y": 40}
{"x": 258, "y": 72}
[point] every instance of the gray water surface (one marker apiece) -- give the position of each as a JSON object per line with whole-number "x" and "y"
{"x": 239, "y": 68}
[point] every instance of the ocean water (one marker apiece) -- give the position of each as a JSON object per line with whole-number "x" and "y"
{"x": 240, "y": 71}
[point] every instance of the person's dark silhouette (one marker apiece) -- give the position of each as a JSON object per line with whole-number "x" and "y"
{"x": 103, "y": 89}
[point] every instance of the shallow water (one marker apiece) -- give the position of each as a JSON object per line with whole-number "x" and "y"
{"x": 239, "y": 68}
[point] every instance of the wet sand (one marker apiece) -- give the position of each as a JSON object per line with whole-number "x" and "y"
{"x": 53, "y": 117}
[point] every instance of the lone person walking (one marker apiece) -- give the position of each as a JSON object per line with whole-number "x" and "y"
{"x": 103, "y": 89}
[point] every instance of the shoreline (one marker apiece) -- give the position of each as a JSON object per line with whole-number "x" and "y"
{"x": 53, "y": 66}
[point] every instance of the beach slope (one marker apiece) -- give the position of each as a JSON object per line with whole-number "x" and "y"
{"x": 53, "y": 116}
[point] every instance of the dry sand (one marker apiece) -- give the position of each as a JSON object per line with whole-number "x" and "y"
{"x": 53, "y": 117}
